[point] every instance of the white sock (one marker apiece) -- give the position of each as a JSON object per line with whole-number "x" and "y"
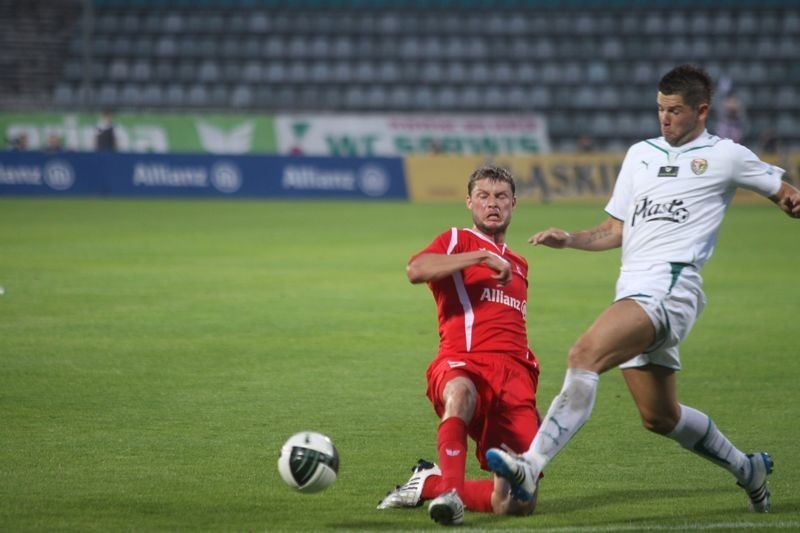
{"x": 697, "y": 433}
{"x": 568, "y": 412}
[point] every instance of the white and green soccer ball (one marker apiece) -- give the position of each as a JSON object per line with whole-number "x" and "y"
{"x": 309, "y": 462}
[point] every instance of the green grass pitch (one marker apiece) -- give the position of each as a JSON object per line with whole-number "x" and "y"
{"x": 154, "y": 355}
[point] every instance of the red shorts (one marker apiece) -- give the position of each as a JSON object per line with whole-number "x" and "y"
{"x": 506, "y": 408}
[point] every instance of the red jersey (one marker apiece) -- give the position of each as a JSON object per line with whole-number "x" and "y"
{"x": 476, "y": 314}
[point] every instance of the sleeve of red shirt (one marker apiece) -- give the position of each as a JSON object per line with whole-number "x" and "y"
{"x": 438, "y": 246}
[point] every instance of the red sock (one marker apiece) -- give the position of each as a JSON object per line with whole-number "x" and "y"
{"x": 452, "y": 445}
{"x": 477, "y": 495}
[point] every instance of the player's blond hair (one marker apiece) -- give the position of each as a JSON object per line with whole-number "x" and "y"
{"x": 492, "y": 173}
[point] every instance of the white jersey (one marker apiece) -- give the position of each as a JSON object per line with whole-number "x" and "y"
{"x": 672, "y": 199}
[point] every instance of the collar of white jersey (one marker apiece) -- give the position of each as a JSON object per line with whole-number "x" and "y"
{"x": 703, "y": 140}
{"x": 480, "y": 235}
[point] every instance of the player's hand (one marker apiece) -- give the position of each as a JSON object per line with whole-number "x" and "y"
{"x": 790, "y": 205}
{"x": 553, "y": 237}
{"x": 502, "y": 268}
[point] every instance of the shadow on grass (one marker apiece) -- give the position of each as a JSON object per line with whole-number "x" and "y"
{"x": 785, "y": 504}
{"x": 625, "y": 507}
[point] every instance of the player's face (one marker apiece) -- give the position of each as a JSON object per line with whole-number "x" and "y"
{"x": 491, "y": 203}
{"x": 680, "y": 123}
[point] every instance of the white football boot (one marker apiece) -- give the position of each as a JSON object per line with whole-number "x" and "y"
{"x": 409, "y": 494}
{"x": 518, "y": 472}
{"x": 756, "y": 487}
{"x": 447, "y": 509}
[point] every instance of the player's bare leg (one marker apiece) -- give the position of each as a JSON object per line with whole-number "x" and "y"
{"x": 621, "y": 332}
{"x": 654, "y": 391}
{"x": 503, "y": 502}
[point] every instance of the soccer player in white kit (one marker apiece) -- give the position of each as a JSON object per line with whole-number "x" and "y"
{"x": 665, "y": 212}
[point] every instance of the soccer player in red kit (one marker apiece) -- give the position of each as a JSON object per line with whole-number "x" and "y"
{"x": 483, "y": 380}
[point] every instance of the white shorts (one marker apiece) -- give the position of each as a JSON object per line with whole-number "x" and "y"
{"x": 672, "y": 296}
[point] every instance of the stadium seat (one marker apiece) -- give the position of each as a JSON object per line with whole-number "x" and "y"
{"x": 747, "y": 23}
{"x": 400, "y": 99}
{"x": 343, "y": 72}
{"x": 251, "y": 72}
{"x": 602, "y": 125}
{"x": 526, "y": 74}
{"x": 790, "y": 24}
{"x": 173, "y": 22}
{"x": 788, "y": 125}
{"x": 73, "y": 71}
{"x": 175, "y": 95}
{"x": 297, "y": 72}
{"x": 141, "y": 71}
{"x": 581, "y": 61}
{"x": 787, "y": 97}
{"x": 540, "y": 98}
{"x": 198, "y": 95}
{"x": 430, "y": 72}
{"x": 258, "y": 23}
{"x": 723, "y": 23}
{"x": 152, "y": 95}
{"x": 242, "y": 96}
{"x": 107, "y": 23}
{"x": 208, "y": 71}
{"x": 166, "y": 47}
{"x": 470, "y": 98}
{"x": 118, "y": 69}
{"x": 612, "y": 48}
{"x": 131, "y": 95}
{"x": 788, "y": 48}
{"x": 64, "y": 95}
{"x": 389, "y": 72}
{"x": 643, "y": 73}
{"x": 108, "y": 95}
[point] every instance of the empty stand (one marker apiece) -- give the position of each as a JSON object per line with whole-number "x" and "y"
{"x": 591, "y": 67}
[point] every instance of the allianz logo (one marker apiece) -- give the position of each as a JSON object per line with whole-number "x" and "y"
{"x": 56, "y": 174}
{"x": 223, "y": 176}
{"x": 372, "y": 180}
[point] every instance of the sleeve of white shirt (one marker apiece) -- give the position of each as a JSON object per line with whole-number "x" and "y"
{"x": 753, "y": 174}
{"x": 620, "y": 200}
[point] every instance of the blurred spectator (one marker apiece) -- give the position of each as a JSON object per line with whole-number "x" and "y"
{"x": 769, "y": 142}
{"x": 18, "y": 143}
{"x": 585, "y": 144}
{"x": 106, "y": 138}
{"x": 53, "y": 143}
{"x": 731, "y": 123}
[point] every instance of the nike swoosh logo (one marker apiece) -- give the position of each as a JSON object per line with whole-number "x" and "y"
{"x": 456, "y": 364}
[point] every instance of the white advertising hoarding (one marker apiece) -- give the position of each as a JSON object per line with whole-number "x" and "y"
{"x": 403, "y": 134}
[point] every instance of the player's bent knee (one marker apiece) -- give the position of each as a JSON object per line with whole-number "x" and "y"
{"x": 460, "y": 398}
{"x": 581, "y": 355}
{"x": 658, "y": 424}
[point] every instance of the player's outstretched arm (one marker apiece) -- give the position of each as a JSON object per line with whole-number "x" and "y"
{"x": 604, "y": 236}
{"x": 433, "y": 267}
{"x": 788, "y": 200}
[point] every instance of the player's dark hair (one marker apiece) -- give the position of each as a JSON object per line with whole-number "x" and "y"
{"x": 491, "y": 173}
{"x": 689, "y": 81}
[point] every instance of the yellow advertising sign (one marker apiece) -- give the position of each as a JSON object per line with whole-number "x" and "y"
{"x": 538, "y": 177}
{"x": 543, "y": 178}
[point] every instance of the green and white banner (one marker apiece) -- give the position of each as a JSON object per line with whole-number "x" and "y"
{"x": 405, "y": 134}
{"x": 161, "y": 133}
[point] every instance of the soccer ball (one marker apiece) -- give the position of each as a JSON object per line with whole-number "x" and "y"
{"x": 309, "y": 462}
